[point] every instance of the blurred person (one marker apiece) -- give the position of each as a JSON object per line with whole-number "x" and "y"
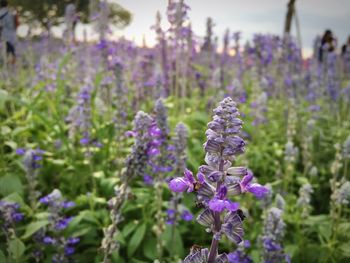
{"x": 345, "y": 53}
{"x": 72, "y": 19}
{"x": 8, "y": 26}
{"x": 328, "y": 44}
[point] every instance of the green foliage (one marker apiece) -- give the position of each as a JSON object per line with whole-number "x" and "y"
{"x": 51, "y": 12}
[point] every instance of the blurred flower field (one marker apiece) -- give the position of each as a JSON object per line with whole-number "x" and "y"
{"x": 181, "y": 152}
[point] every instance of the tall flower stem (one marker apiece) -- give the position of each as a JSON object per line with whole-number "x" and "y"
{"x": 217, "y": 222}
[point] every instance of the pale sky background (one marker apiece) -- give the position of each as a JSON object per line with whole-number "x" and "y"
{"x": 247, "y": 16}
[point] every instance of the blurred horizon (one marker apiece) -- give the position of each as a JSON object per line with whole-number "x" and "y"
{"x": 248, "y": 17}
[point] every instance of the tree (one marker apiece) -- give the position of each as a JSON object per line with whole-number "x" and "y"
{"x": 46, "y": 13}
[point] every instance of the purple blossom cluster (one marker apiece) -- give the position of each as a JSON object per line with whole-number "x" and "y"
{"x": 9, "y": 215}
{"x": 58, "y": 221}
{"x": 136, "y": 165}
{"x": 274, "y": 229}
{"x": 32, "y": 162}
{"x": 217, "y": 182}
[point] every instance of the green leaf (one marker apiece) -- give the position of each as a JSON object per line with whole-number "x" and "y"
{"x": 34, "y": 227}
{"x": 325, "y": 231}
{"x": 117, "y": 258}
{"x": 129, "y": 228}
{"x": 10, "y": 184}
{"x": 150, "y": 248}
{"x": 136, "y": 239}
{"x": 2, "y": 257}
{"x": 291, "y": 249}
{"x": 173, "y": 240}
{"x": 345, "y": 248}
{"x": 16, "y": 248}
{"x": 3, "y": 98}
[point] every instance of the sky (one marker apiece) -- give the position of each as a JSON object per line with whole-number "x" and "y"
{"x": 247, "y": 16}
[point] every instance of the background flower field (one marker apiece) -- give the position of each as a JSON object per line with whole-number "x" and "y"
{"x": 93, "y": 133}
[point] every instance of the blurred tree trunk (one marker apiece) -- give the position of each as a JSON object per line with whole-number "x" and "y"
{"x": 289, "y": 16}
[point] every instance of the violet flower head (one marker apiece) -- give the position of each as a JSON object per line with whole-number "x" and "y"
{"x": 53, "y": 234}
{"x": 304, "y": 199}
{"x": 137, "y": 161}
{"x": 217, "y": 182}
{"x": 272, "y": 237}
{"x": 9, "y": 214}
{"x": 182, "y": 184}
{"x": 240, "y": 254}
{"x": 32, "y": 162}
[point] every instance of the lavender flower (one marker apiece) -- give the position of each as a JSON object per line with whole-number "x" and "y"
{"x": 343, "y": 194}
{"x": 259, "y": 107}
{"x": 120, "y": 98}
{"x": 32, "y": 162}
{"x": 217, "y": 182}
{"x": 136, "y": 164}
{"x": 79, "y": 117}
{"x": 346, "y": 148}
{"x": 9, "y": 215}
{"x": 272, "y": 237}
{"x": 160, "y": 165}
{"x": 240, "y": 255}
{"x": 304, "y": 199}
{"x": 53, "y": 236}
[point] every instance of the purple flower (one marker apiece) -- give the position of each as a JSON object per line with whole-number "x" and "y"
{"x": 63, "y": 223}
{"x": 73, "y": 240}
{"x": 49, "y": 240}
{"x": 219, "y": 203}
{"x": 68, "y": 250}
{"x": 154, "y": 131}
{"x": 187, "y": 216}
{"x": 153, "y": 151}
{"x": 256, "y": 189}
{"x": 270, "y": 245}
{"x": 17, "y": 217}
{"x": 182, "y": 184}
{"x": 148, "y": 179}
{"x": 20, "y": 151}
{"x": 9, "y": 213}
{"x": 84, "y": 141}
{"x": 68, "y": 204}
{"x": 171, "y": 213}
{"x": 130, "y": 134}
